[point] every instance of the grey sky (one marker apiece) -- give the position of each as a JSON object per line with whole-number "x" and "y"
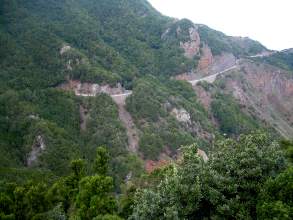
{"x": 268, "y": 21}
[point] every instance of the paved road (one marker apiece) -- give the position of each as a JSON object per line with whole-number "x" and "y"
{"x": 211, "y": 78}
{"x": 265, "y": 54}
{"x": 128, "y": 93}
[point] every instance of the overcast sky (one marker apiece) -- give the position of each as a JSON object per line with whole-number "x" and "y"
{"x": 268, "y": 21}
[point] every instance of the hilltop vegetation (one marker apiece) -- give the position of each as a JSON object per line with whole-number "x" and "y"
{"x": 219, "y": 43}
{"x": 111, "y": 41}
{"x": 283, "y": 59}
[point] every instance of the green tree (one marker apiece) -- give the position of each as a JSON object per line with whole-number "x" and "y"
{"x": 225, "y": 187}
{"x": 177, "y": 196}
{"x": 101, "y": 162}
{"x": 275, "y": 200}
{"x": 94, "y": 198}
{"x": 236, "y": 173}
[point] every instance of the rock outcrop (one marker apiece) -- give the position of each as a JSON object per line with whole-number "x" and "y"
{"x": 205, "y": 60}
{"x": 37, "y": 148}
{"x": 92, "y": 89}
{"x": 131, "y": 130}
{"x": 181, "y": 115}
{"x": 64, "y": 49}
{"x": 204, "y": 97}
{"x": 191, "y": 47}
{"x": 266, "y": 92}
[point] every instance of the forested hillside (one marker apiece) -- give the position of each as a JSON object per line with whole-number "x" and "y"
{"x": 99, "y": 118}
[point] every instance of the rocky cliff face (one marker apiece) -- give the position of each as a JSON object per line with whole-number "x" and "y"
{"x": 268, "y": 91}
{"x": 263, "y": 91}
{"x": 191, "y": 47}
{"x": 206, "y": 59}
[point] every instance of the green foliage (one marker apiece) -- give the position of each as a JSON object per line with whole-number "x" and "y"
{"x": 151, "y": 145}
{"x": 219, "y": 43}
{"x": 275, "y": 200}
{"x": 110, "y": 41}
{"x": 101, "y": 162}
{"x": 151, "y": 105}
{"x": 129, "y": 42}
{"x": 26, "y": 115}
{"x": 215, "y": 40}
{"x": 59, "y": 147}
{"x": 126, "y": 201}
{"x": 232, "y": 120}
{"x": 74, "y": 196}
{"x": 77, "y": 167}
{"x": 281, "y": 59}
{"x": 54, "y": 116}
{"x": 226, "y": 187}
{"x": 239, "y": 171}
{"x": 127, "y": 168}
{"x": 177, "y": 196}
{"x": 287, "y": 146}
{"x": 103, "y": 126}
{"x": 93, "y": 199}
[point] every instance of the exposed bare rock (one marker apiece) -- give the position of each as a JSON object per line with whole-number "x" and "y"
{"x": 203, "y": 96}
{"x": 209, "y": 64}
{"x": 267, "y": 93}
{"x": 165, "y": 33}
{"x": 189, "y": 125}
{"x": 192, "y": 47}
{"x": 37, "y": 148}
{"x": 64, "y": 49}
{"x": 206, "y": 59}
{"x": 34, "y": 117}
{"x": 164, "y": 160}
{"x": 132, "y": 133}
{"x": 181, "y": 115}
{"x": 194, "y": 78}
{"x": 203, "y": 155}
{"x": 69, "y": 65}
{"x": 92, "y": 89}
{"x": 222, "y": 62}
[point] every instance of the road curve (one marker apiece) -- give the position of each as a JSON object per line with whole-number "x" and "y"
{"x": 211, "y": 78}
{"x": 128, "y": 93}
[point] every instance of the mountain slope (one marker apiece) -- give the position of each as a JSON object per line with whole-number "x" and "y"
{"x": 55, "y": 53}
{"x": 96, "y": 95}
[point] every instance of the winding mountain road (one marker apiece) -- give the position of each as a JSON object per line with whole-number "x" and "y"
{"x": 211, "y": 78}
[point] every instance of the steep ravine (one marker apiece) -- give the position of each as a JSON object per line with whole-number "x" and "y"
{"x": 119, "y": 95}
